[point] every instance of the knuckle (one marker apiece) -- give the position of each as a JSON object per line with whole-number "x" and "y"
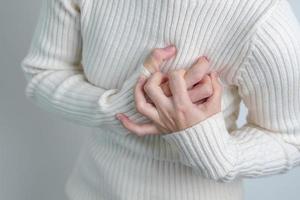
{"x": 172, "y": 73}
{"x": 206, "y": 79}
{"x": 180, "y": 109}
{"x": 207, "y": 90}
{"x": 181, "y": 71}
{"x": 157, "y": 74}
{"x": 148, "y": 86}
{"x": 140, "y": 107}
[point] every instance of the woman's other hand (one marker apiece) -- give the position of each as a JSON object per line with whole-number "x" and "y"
{"x": 170, "y": 113}
{"x": 197, "y": 80}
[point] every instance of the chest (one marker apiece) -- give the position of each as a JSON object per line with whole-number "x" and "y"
{"x": 118, "y": 35}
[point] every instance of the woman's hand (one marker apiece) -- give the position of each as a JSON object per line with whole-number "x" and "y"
{"x": 197, "y": 81}
{"x": 171, "y": 114}
{"x": 177, "y": 112}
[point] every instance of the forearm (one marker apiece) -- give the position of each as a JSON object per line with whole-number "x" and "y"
{"x": 55, "y": 77}
{"x": 247, "y": 152}
{"x": 268, "y": 83}
{"x": 69, "y": 94}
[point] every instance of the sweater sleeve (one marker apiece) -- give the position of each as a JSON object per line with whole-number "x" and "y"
{"x": 268, "y": 83}
{"x": 55, "y": 76}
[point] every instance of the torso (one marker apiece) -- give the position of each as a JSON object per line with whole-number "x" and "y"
{"x": 194, "y": 26}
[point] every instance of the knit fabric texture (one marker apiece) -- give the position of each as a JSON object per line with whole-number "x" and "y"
{"x": 84, "y": 61}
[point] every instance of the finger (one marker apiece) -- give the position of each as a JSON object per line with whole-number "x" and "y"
{"x": 197, "y": 71}
{"x": 154, "y": 91}
{"x": 193, "y": 75}
{"x": 148, "y": 99}
{"x": 178, "y": 88}
{"x": 138, "y": 129}
{"x": 202, "y": 90}
{"x": 142, "y": 105}
{"x": 214, "y": 101}
{"x": 158, "y": 56}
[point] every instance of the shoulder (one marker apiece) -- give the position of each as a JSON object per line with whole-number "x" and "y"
{"x": 261, "y": 24}
{"x": 274, "y": 46}
{"x": 251, "y": 13}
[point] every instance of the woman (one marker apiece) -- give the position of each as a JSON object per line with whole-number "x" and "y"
{"x": 177, "y": 136}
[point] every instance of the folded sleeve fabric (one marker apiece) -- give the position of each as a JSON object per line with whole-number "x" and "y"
{"x": 56, "y": 80}
{"x": 269, "y": 85}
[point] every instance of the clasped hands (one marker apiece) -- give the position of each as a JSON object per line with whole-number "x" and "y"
{"x": 175, "y": 100}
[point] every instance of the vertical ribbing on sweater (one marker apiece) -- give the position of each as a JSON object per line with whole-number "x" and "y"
{"x": 84, "y": 61}
{"x": 268, "y": 83}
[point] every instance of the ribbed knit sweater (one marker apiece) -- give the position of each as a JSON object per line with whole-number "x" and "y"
{"x": 84, "y": 61}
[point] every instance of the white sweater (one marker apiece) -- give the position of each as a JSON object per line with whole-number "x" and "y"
{"x": 86, "y": 56}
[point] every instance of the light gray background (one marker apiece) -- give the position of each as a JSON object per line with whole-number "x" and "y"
{"x": 38, "y": 150}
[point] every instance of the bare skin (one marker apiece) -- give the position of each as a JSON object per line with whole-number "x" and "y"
{"x": 176, "y": 100}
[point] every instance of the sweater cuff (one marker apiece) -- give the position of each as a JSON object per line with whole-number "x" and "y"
{"x": 206, "y": 146}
